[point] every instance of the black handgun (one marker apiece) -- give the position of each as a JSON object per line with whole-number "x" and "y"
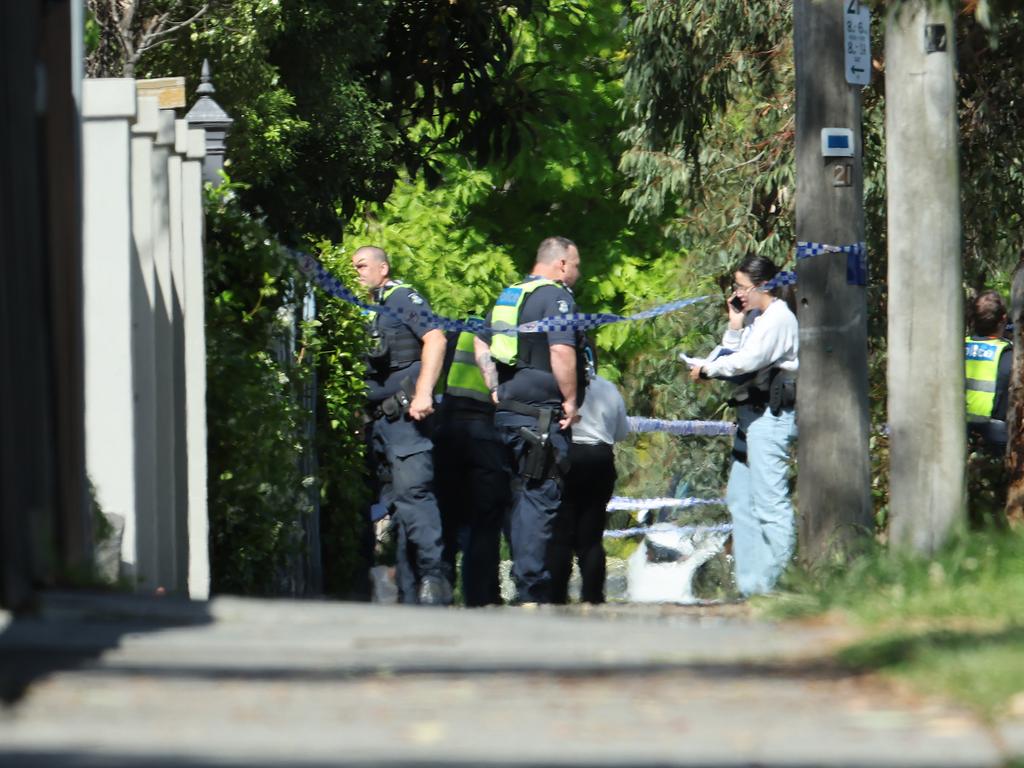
{"x": 535, "y": 460}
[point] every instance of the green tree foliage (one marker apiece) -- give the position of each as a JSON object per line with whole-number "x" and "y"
{"x": 687, "y": 62}
{"x": 336, "y": 341}
{"x": 326, "y": 94}
{"x": 991, "y": 75}
{"x": 257, "y": 496}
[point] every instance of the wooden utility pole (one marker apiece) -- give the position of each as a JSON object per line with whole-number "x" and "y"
{"x": 834, "y": 478}
{"x": 927, "y": 447}
{"x": 1015, "y": 411}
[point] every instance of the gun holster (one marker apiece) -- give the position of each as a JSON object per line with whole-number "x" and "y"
{"x": 539, "y": 460}
{"x": 397, "y": 405}
{"x": 781, "y": 392}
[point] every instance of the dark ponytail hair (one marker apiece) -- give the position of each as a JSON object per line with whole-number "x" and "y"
{"x": 760, "y": 270}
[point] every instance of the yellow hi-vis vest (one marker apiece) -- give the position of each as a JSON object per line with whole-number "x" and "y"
{"x": 982, "y": 368}
{"x": 505, "y": 346}
{"x": 464, "y": 377}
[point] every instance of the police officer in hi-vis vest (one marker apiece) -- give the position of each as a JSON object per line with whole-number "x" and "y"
{"x": 469, "y": 471}
{"x": 988, "y": 358}
{"x": 404, "y": 362}
{"x": 541, "y": 382}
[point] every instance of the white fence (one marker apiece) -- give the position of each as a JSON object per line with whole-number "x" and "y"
{"x": 145, "y": 352}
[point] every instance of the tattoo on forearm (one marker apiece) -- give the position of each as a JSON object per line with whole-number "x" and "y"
{"x": 488, "y": 369}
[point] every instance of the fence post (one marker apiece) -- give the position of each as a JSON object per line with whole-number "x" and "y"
{"x": 166, "y": 574}
{"x": 138, "y": 550}
{"x": 194, "y": 330}
{"x": 206, "y": 114}
{"x": 108, "y": 109}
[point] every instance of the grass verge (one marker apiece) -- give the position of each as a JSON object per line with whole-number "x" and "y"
{"x": 950, "y": 624}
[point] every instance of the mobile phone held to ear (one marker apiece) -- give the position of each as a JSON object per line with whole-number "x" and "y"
{"x": 736, "y": 303}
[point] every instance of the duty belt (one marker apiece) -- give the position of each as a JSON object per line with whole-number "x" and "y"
{"x": 524, "y": 409}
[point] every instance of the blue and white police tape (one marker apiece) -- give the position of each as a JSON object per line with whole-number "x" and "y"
{"x": 698, "y": 428}
{"x": 576, "y": 321}
{"x": 582, "y": 321}
{"x": 780, "y": 279}
{"x": 622, "y": 503}
{"x": 856, "y": 258}
{"x": 332, "y": 286}
{"x": 684, "y": 530}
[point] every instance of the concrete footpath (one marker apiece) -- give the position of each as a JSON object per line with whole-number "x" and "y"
{"x": 130, "y": 681}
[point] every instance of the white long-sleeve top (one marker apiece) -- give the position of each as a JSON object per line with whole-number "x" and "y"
{"x": 602, "y": 415}
{"x": 772, "y": 340}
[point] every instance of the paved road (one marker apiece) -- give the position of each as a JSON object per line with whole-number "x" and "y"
{"x": 124, "y": 681}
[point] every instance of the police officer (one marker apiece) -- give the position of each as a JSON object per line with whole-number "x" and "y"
{"x": 470, "y": 477}
{"x": 541, "y": 386}
{"x": 988, "y": 358}
{"x": 403, "y": 366}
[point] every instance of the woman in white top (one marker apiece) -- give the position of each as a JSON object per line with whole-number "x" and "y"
{"x": 764, "y": 533}
{"x": 589, "y": 484}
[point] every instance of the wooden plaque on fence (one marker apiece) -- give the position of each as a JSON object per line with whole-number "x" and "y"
{"x": 170, "y": 91}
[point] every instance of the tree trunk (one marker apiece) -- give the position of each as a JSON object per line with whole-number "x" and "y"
{"x": 834, "y": 482}
{"x": 1015, "y": 411}
{"x": 925, "y": 340}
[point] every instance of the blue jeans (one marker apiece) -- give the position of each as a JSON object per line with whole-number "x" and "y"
{"x": 763, "y": 530}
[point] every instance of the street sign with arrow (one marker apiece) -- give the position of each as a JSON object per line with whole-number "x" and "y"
{"x": 857, "y": 43}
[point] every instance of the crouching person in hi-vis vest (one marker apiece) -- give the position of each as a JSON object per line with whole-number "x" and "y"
{"x": 469, "y": 471}
{"x": 988, "y": 358}
{"x": 404, "y": 362}
{"x": 540, "y": 388}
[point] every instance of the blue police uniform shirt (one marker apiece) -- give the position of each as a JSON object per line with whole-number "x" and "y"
{"x": 417, "y": 318}
{"x": 533, "y": 385}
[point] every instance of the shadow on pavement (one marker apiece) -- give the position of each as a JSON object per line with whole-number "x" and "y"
{"x": 70, "y": 631}
{"x": 68, "y": 760}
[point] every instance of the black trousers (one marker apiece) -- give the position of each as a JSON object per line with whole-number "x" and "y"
{"x": 472, "y": 486}
{"x": 580, "y": 522}
{"x": 405, "y": 473}
{"x": 535, "y": 504}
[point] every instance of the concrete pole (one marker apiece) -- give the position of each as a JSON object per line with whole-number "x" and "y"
{"x": 139, "y": 547}
{"x": 177, "y": 306}
{"x": 165, "y": 575}
{"x": 926, "y": 352}
{"x": 108, "y": 110}
{"x": 834, "y": 477}
{"x": 195, "y": 363}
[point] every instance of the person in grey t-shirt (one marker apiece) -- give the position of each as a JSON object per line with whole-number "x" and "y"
{"x": 579, "y": 525}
